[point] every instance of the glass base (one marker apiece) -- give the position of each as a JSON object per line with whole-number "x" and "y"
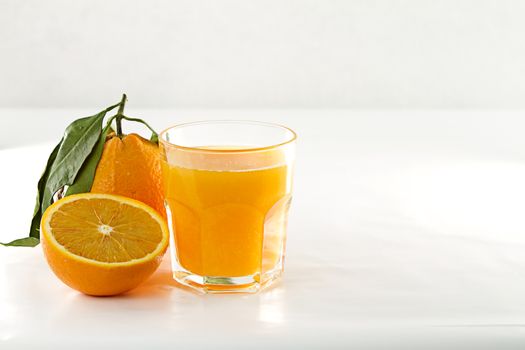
{"x": 246, "y": 284}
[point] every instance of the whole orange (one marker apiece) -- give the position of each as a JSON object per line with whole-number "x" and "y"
{"x": 130, "y": 167}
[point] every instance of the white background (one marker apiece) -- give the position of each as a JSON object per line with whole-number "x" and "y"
{"x": 263, "y": 54}
{"x": 406, "y": 230}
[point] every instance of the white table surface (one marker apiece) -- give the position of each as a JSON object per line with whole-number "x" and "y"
{"x": 407, "y": 230}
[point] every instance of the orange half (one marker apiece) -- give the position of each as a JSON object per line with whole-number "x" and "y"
{"x": 102, "y": 244}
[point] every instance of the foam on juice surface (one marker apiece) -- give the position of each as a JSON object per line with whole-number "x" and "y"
{"x": 226, "y": 159}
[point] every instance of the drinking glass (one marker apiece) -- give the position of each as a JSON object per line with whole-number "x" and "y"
{"x": 228, "y": 187}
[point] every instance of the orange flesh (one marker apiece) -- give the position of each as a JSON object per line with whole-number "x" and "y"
{"x": 105, "y": 230}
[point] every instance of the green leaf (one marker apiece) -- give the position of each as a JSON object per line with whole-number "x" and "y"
{"x": 78, "y": 142}
{"x": 23, "y": 242}
{"x": 86, "y": 175}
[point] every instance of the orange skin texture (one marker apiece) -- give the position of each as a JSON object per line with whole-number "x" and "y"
{"x": 130, "y": 167}
{"x": 97, "y": 280}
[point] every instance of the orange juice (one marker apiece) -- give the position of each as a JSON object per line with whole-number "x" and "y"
{"x": 228, "y": 222}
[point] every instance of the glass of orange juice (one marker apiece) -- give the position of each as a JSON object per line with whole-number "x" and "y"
{"x": 228, "y": 187}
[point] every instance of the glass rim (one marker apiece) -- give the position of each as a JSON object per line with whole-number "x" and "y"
{"x": 292, "y": 138}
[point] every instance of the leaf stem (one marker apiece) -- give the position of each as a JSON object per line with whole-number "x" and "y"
{"x": 140, "y": 121}
{"x": 120, "y": 115}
